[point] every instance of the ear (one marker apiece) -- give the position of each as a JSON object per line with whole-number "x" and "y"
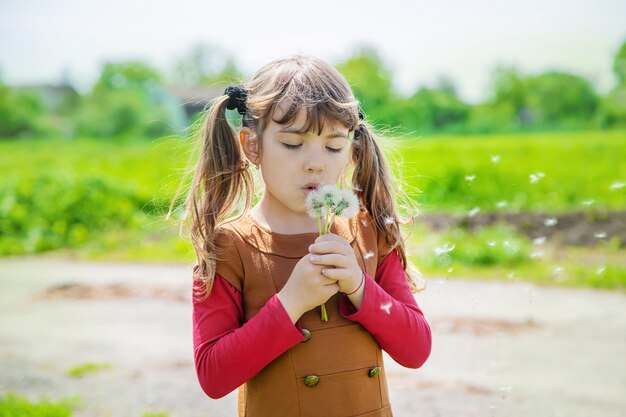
{"x": 249, "y": 144}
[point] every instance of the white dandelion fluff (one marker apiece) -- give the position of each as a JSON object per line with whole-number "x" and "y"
{"x": 588, "y": 202}
{"x": 368, "y": 255}
{"x": 617, "y": 185}
{"x": 348, "y": 204}
{"x": 386, "y": 307}
{"x": 536, "y": 177}
{"x": 442, "y": 250}
{"x": 551, "y": 222}
{"x": 537, "y": 254}
{"x": 539, "y": 240}
{"x": 473, "y": 212}
{"x": 495, "y": 159}
{"x": 470, "y": 178}
{"x": 502, "y": 203}
{"x": 600, "y": 235}
{"x": 329, "y": 194}
{"x": 389, "y": 220}
{"x": 491, "y": 243}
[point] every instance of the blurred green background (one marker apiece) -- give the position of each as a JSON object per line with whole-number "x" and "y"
{"x": 529, "y": 184}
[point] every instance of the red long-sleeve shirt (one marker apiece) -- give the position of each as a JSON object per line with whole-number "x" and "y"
{"x": 228, "y": 352}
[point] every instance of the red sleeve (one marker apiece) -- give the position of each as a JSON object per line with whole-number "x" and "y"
{"x": 228, "y": 352}
{"x": 390, "y": 313}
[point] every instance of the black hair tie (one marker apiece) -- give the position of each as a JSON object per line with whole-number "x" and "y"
{"x": 361, "y": 115}
{"x": 237, "y": 97}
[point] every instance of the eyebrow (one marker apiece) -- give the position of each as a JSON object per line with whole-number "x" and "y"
{"x": 331, "y": 135}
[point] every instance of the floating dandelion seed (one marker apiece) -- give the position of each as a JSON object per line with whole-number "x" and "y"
{"x": 588, "y": 202}
{"x": 386, "y": 307}
{"x": 495, "y": 159}
{"x": 502, "y": 203}
{"x": 600, "y": 270}
{"x": 473, "y": 212}
{"x": 539, "y": 241}
{"x": 450, "y": 269}
{"x": 617, "y": 185}
{"x": 368, "y": 255}
{"x": 536, "y": 177}
{"x": 558, "y": 270}
{"x": 505, "y": 392}
{"x": 491, "y": 243}
{"x": 389, "y": 220}
{"x": 511, "y": 275}
{"x": 441, "y": 250}
{"x": 470, "y": 178}
{"x": 550, "y": 222}
{"x": 364, "y": 222}
{"x": 536, "y": 254}
{"x": 599, "y": 235}
{"x": 357, "y": 189}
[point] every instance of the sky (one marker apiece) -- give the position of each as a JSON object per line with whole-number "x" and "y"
{"x": 419, "y": 41}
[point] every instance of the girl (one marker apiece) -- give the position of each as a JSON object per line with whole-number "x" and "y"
{"x": 262, "y": 275}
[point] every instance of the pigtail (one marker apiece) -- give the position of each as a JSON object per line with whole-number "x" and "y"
{"x": 221, "y": 180}
{"x": 374, "y": 178}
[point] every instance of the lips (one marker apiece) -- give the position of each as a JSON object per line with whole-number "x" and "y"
{"x": 311, "y": 186}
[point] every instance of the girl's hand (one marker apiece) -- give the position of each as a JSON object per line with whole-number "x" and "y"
{"x": 335, "y": 253}
{"x": 306, "y": 288}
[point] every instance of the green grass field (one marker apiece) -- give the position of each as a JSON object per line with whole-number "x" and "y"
{"x": 106, "y": 199}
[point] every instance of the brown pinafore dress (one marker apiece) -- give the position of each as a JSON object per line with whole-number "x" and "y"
{"x": 339, "y": 371}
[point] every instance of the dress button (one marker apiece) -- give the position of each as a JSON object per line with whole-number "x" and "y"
{"x": 311, "y": 380}
{"x": 307, "y": 335}
{"x": 374, "y": 371}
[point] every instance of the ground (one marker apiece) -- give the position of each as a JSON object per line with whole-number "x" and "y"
{"x": 499, "y": 348}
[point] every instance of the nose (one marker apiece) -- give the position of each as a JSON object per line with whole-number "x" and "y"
{"x": 314, "y": 162}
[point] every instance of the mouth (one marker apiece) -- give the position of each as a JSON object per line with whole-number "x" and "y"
{"x": 310, "y": 187}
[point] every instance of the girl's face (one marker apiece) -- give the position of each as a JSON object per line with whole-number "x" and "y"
{"x": 291, "y": 159}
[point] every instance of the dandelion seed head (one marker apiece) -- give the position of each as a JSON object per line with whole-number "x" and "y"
{"x": 350, "y": 203}
{"x": 331, "y": 195}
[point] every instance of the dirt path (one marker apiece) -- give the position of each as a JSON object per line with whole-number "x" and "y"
{"x": 499, "y": 349}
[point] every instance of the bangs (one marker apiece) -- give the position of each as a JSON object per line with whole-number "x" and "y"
{"x": 316, "y": 117}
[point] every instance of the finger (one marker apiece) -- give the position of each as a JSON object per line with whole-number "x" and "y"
{"x": 335, "y": 273}
{"x": 333, "y": 259}
{"x": 330, "y": 247}
{"x": 331, "y": 237}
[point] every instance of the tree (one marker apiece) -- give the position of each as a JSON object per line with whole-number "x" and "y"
{"x": 370, "y": 81}
{"x": 207, "y": 64}
{"x": 124, "y": 102}
{"x": 558, "y": 98}
{"x": 619, "y": 65}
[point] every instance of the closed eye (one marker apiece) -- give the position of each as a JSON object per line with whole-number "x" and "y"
{"x": 333, "y": 150}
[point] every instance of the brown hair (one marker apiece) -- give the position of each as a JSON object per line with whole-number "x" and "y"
{"x": 222, "y": 181}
